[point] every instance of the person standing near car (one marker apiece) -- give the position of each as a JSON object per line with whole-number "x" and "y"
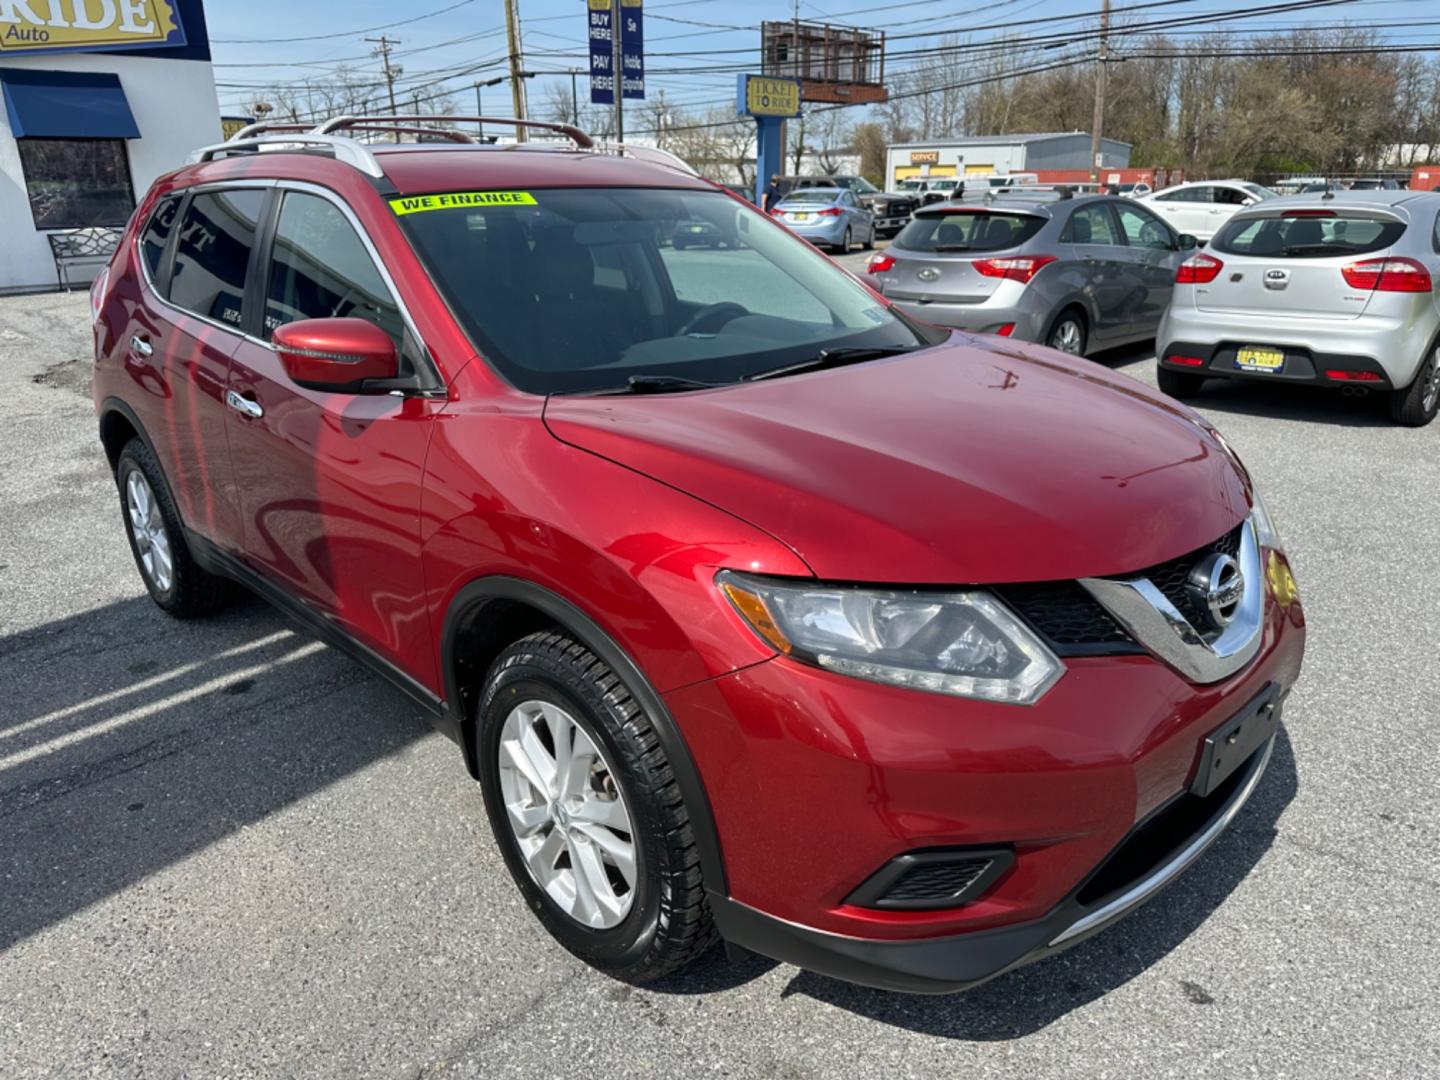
{"x": 771, "y": 195}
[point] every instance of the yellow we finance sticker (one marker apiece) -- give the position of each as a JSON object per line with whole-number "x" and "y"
{"x": 416, "y": 204}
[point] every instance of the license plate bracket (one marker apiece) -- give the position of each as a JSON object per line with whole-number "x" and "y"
{"x": 1231, "y": 744}
{"x": 1260, "y": 358}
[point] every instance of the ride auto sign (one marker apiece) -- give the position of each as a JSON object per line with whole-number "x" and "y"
{"x": 28, "y": 26}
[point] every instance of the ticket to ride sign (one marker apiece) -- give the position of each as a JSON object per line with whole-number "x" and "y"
{"x": 84, "y": 25}
{"x": 761, "y": 95}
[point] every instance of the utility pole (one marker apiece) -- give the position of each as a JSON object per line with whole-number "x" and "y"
{"x": 574, "y": 98}
{"x": 1097, "y": 124}
{"x": 616, "y": 59}
{"x": 517, "y": 87}
{"x": 391, "y": 73}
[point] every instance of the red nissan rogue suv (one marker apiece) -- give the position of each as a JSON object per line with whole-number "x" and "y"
{"x": 760, "y": 611}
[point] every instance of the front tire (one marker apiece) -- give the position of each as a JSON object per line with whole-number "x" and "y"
{"x": 1179, "y": 384}
{"x": 587, "y": 811}
{"x": 1417, "y": 404}
{"x": 174, "y": 580}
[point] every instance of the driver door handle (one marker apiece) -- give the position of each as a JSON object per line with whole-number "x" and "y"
{"x": 141, "y": 347}
{"x": 246, "y": 407}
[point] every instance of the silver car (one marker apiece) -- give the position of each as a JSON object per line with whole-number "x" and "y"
{"x": 1078, "y": 274}
{"x": 1334, "y": 291}
{"x": 826, "y": 216}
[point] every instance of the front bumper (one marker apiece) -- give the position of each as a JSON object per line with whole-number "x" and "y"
{"x": 963, "y": 961}
{"x": 817, "y": 780}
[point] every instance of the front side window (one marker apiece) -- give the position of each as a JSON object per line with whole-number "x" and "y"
{"x": 1186, "y": 195}
{"x": 1230, "y": 196}
{"x": 77, "y": 183}
{"x": 320, "y": 269}
{"x": 968, "y": 230}
{"x": 1143, "y": 230}
{"x": 157, "y": 234}
{"x": 573, "y": 290}
{"x": 213, "y": 251}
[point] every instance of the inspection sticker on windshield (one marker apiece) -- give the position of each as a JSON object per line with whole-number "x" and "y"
{"x": 417, "y": 203}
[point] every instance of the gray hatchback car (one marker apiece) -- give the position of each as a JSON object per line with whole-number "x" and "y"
{"x": 1078, "y": 274}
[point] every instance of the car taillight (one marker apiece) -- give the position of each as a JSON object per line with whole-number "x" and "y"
{"x": 833, "y": 211}
{"x": 1388, "y": 275}
{"x": 1019, "y": 268}
{"x": 1186, "y": 361}
{"x": 1199, "y": 269}
{"x": 1006, "y": 330}
{"x": 879, "y": 263}
{"x": 1340, "y": 375}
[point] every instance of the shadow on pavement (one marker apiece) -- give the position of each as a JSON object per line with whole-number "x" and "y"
{"x": 129, "y": 741}
{"x": 1031, "y": 998}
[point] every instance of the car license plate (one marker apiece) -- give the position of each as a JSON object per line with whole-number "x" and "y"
{"x": 1234, "y": 742}
{"x": 1254, "y": 358}
{"x": 799, "y": 217}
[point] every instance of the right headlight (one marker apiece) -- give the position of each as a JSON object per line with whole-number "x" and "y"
{"x": 1265, "y": 531}
{"x": 963, "y": 643}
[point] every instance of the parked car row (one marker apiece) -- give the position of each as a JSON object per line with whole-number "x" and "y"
{"x": 1336, "y": 290}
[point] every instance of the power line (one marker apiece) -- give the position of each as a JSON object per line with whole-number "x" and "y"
{"x": 343, "y": 33}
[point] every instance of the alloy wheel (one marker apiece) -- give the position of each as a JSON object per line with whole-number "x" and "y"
{"x": 1066, "y": 337}
{"x": 1430, "y": 389}
{"x": 147, "y": 526}
{"x": 567, "y": 814}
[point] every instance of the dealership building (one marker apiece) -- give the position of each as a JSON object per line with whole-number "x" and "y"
{"x": 100, "y": 98}
{"x": 988, "y": 155}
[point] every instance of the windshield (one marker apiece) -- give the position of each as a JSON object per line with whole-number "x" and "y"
{"x": 968, "y": 230}
{"x": 567, "y": 290}
{"x": 1307, "y": 235}
{"x": 1260, "y": 192}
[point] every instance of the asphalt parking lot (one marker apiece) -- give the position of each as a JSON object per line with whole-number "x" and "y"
{"x": 226, "y": 850}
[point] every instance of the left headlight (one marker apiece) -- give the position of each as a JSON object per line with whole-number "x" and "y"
{"x": 962, "y": 643}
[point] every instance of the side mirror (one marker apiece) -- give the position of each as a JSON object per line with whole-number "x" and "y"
{"x": 337, "y": 355}
{"x": 1187, "y": 242}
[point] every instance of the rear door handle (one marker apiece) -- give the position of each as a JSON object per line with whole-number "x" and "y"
{"x": 141, "y": 346}
{"x": 246, "y": 407}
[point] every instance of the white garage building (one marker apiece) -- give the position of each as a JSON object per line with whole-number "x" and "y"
{"x": 984, "y": 155}
{"x": 99, "y": 99}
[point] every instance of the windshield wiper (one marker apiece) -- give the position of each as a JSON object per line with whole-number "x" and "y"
{"x": 829, "y": 358}
{"x": 655, "y": 384}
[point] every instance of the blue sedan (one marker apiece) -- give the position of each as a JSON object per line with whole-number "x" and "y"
{"x": 828, "y": 217}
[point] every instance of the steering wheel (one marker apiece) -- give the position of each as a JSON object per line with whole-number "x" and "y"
{"x": 718, "y": 314}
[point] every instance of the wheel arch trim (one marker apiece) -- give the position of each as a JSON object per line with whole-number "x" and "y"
{"x": 594, "y": 637}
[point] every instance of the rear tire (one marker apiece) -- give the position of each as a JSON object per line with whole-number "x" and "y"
{"x": 845, "y": 242}
{"x": 1179, "y": 384}
{"x": 869, "y": 244}
{"x": 179, "y": 585}
{"x": 1067, "y": 333}
{"x": 1417, "y": 404}
{"x": 627, "y": 802}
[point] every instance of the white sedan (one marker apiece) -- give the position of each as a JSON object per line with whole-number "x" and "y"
{"x": 1201, "y": 207}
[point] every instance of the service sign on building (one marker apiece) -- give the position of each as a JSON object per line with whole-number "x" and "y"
{"x": 36, "y": 26}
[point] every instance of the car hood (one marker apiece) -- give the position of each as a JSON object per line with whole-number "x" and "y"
{"x": 968, "y": 463}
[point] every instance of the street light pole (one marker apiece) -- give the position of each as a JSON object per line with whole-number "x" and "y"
{"x": 480, "y": 105}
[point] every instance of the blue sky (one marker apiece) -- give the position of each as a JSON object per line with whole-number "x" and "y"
{"x": 453, "y": 48}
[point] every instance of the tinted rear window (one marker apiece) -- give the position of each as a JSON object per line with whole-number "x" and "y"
{"x": 968, "y": 230}
{"x": 157, "y": 234}
{"x": 1307, "y": 237}
{"x": 213, "y": 251}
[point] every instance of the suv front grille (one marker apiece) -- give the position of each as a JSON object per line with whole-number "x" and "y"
{"x": 1073, "y": 623}
{"x": 1172, "y": 577}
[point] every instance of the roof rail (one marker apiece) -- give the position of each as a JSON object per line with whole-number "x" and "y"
{"x": 361, "y": 123}
{"x": 653, "y": 154}
{"x": 278, "y": 134}
{"x": 348, "y": 151}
